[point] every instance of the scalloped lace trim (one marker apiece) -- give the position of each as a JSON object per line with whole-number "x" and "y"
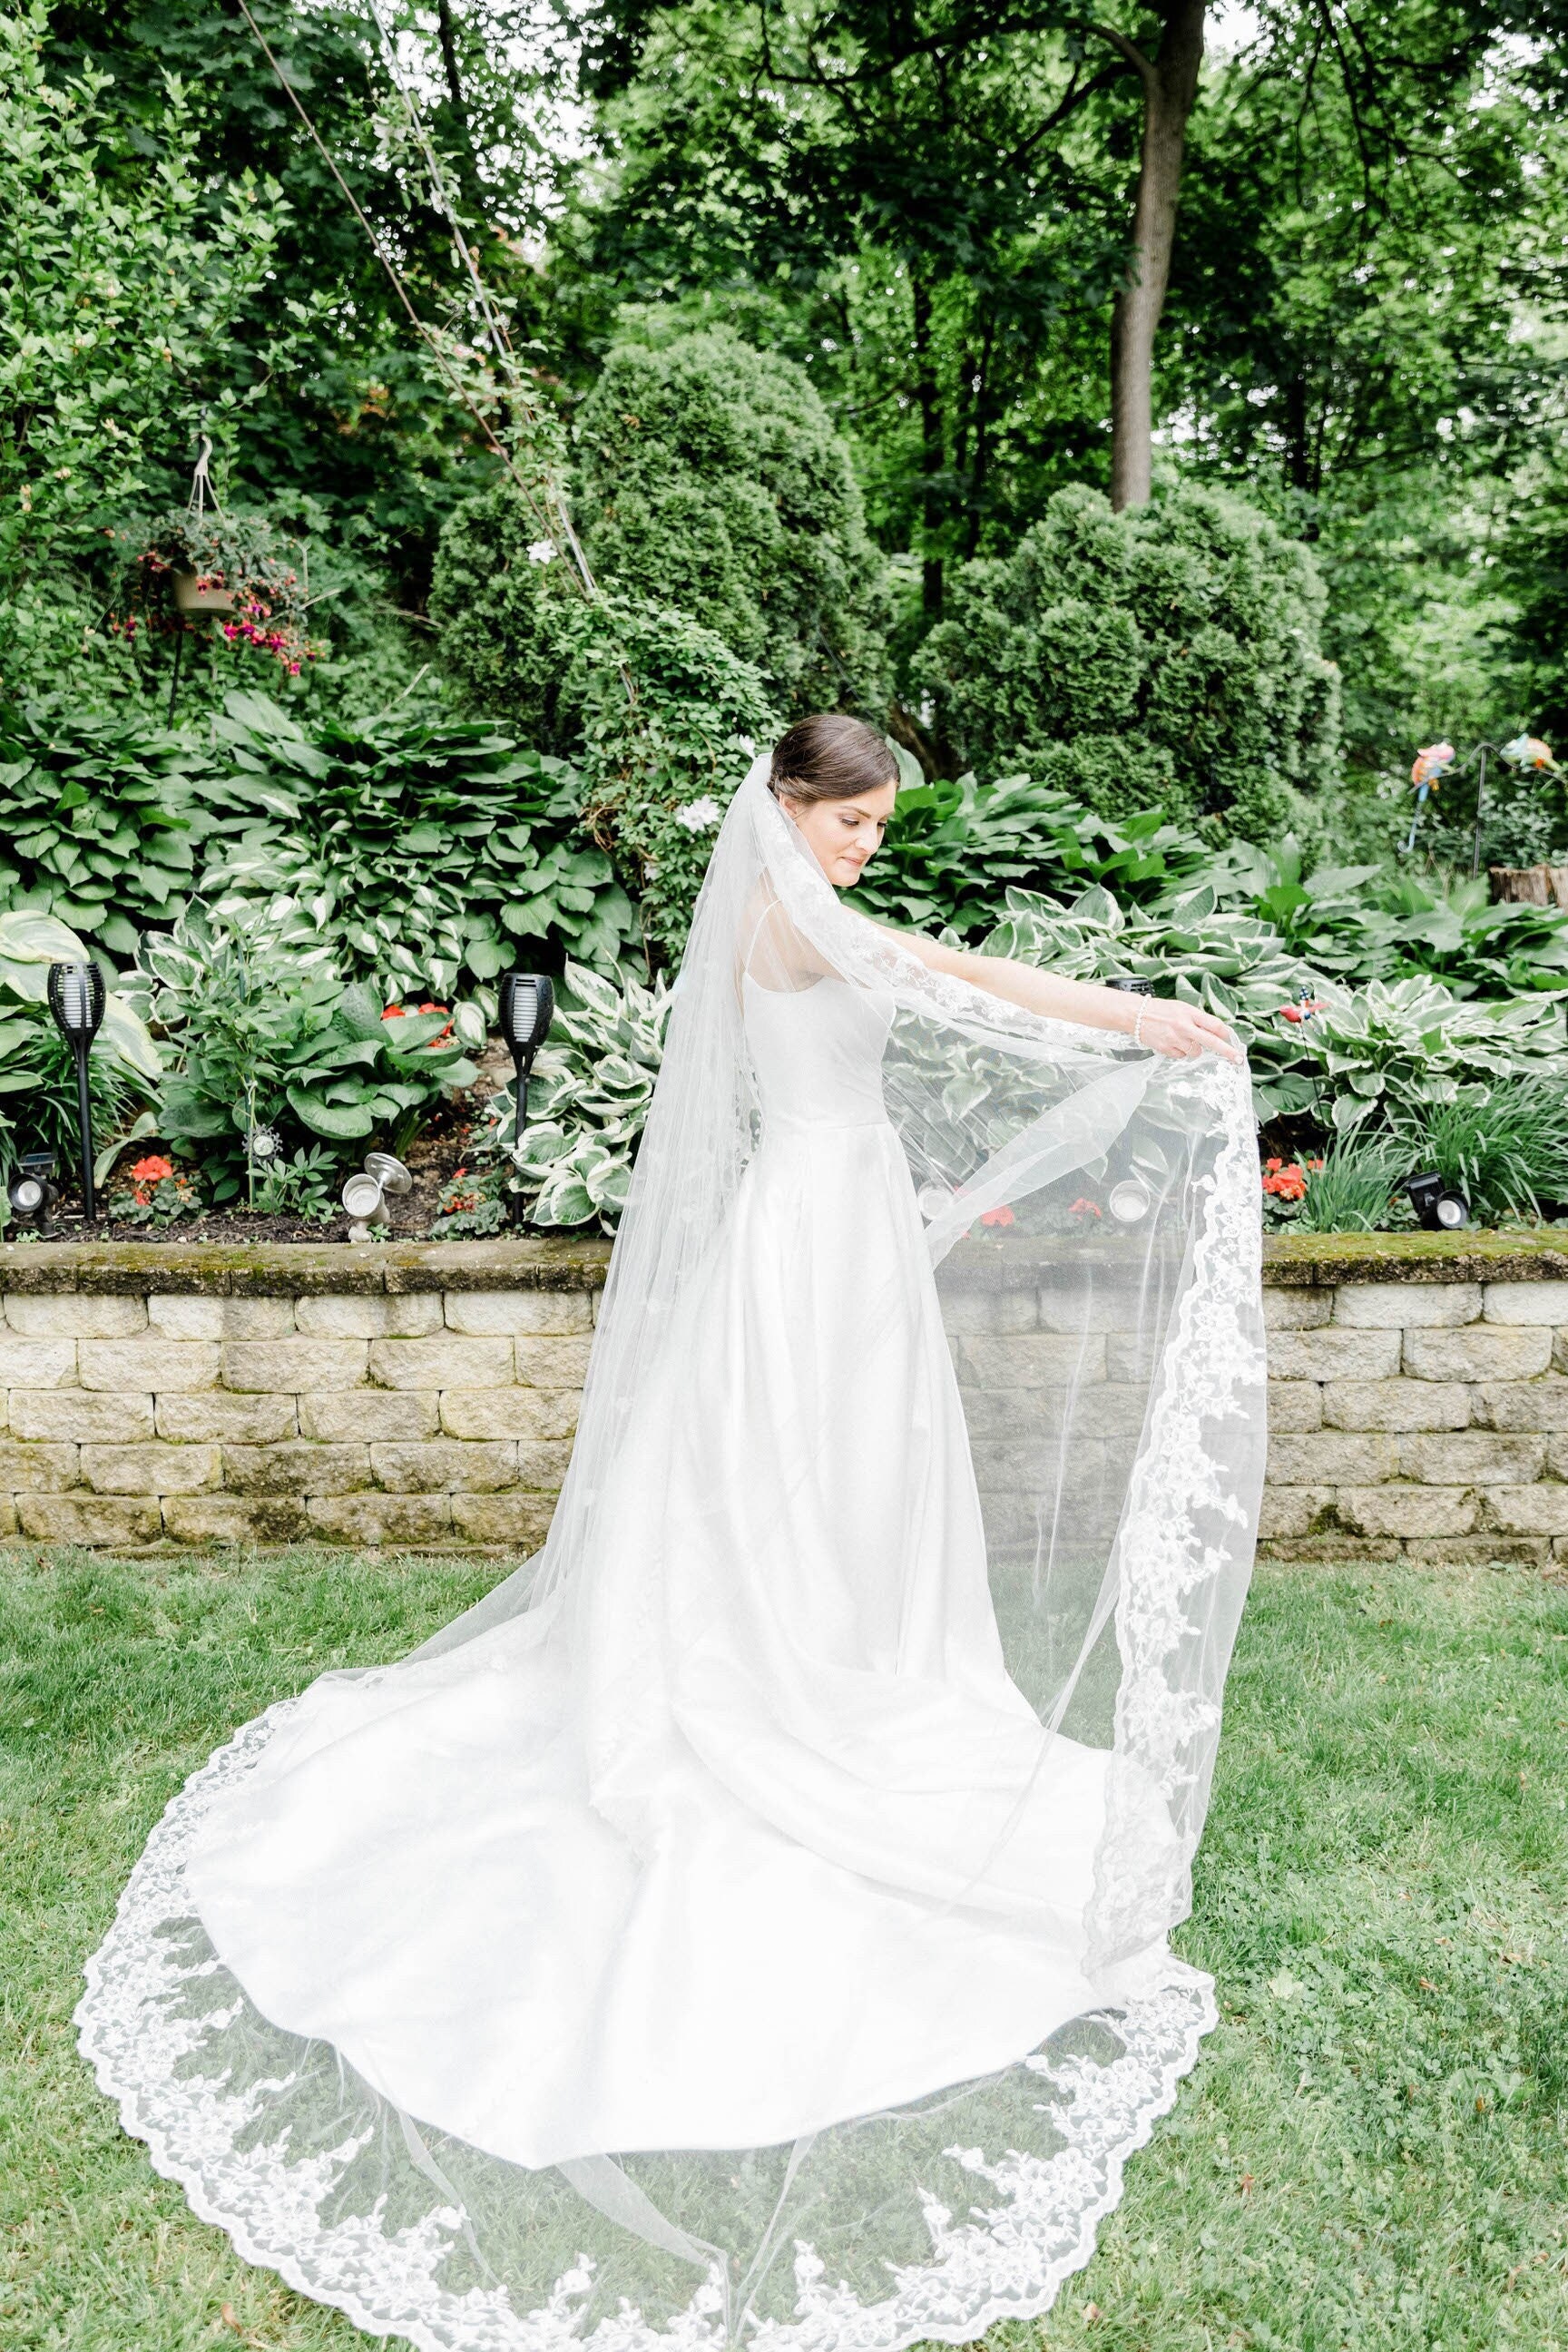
{"x": 1033, "y": 2224}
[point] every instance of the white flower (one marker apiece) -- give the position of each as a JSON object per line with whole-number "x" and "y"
{"x": 543, "y": 551}
{"x": 747, "y": 746}
{"x": 697, "y": 815}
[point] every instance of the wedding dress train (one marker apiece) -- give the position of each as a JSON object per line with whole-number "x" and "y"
{"x": 743, "y": 1836}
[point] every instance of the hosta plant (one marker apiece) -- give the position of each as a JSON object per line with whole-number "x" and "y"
{"x": 592, "y": 1082}
{"x": 37, "y": 1073}
{"x": 432, "y": 849}
{"x": 268, "y": 1037}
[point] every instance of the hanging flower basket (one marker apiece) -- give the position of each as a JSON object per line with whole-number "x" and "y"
{"x": 195, "y": 592}
{"x": 237, "y": 569}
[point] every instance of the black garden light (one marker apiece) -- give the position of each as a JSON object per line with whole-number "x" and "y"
{"x": 1440, "y": 1207}
{"x": 76, "y": 1000}
{"x": 527, "y": 1009}
{"x": 32, "y": 1192}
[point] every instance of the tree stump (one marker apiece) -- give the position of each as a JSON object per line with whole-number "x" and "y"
{"x": 1530, "y": 886}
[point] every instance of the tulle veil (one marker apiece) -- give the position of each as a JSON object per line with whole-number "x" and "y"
{"x": 1091, "y": 1224}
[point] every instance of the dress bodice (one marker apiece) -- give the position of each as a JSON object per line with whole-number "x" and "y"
{"x": 817, "y": 1052}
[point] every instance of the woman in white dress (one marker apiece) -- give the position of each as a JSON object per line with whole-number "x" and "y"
{"x": 751, "y": 1921}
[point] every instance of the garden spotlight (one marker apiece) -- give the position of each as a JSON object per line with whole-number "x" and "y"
{"x": 364, "y": 1195}
{"x": 526, "y": 1007}
{"x": 32, "y": 1192}
{"x": 76, "y": 1000}
{"x": 1129, "y": 1202}
{"x": 1440, "y": 1207}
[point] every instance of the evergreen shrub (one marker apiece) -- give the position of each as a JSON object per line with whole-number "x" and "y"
{"x": 711, "y": 484}
{"x": 710, "y": 477}
{"x": 1167, "y": 657}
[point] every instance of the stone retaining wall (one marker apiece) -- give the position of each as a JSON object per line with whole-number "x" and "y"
{"x": 1426, "y": 1414}
{"x": 419, "y": 1396}
{"x": 426, "y": 1395}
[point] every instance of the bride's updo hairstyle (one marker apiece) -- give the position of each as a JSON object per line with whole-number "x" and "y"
{"x": 830, "y": 758}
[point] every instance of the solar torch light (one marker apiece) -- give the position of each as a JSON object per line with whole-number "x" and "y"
{"x": 32, "y": 1192}
{"x": 364, "y": 1195}
{"x": 1441, "y": 1207}
{"x": 526, "y": 1010}
{"x": 76, "y": 1000}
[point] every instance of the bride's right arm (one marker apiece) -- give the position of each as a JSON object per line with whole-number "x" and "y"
{"x": 1163, "y": 1024}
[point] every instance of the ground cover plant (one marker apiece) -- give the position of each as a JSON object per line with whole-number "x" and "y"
{"x": 1371, "y": 2156}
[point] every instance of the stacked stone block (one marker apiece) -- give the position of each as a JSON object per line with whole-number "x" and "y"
{"x": 1427, "y": 1418}
{"x": 426, "y": 1417}
{"x": 428, "y": 1395}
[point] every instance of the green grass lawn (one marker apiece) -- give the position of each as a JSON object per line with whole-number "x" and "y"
{"x": 1373, "y": 2152}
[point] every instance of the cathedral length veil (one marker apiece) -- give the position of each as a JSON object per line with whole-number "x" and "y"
{"x": 1083, "y": 1219}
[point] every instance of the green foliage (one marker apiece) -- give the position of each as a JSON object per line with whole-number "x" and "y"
{"x": 712, "y": 478}
{"x": 427, "y": 849}
{"x": 588, "y": 1102}
{"x": 303, "y": 1185}
{"x": 514, "y": 617}
{"x": 952, "y": 851}
{"x": 39, "y": 1110}
{"x": 1390, "y": 1052}
{"x": 1351, "y": 1190}
{"x": 672, "y": 722}
{"x": 119, "y": 280}
{"x": 160, "y": 1199}
{"x": 268, "y": 1037}
{"x": 713, "y": 490}
{"x": 1163, "y": 657}
{"x": 1365, "y": 922}
{"x": 1504, "y": 1146}
{"x": 99, "y": 818}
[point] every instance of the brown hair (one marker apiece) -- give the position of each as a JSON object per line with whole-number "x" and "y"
{"x": 831, "y": 758}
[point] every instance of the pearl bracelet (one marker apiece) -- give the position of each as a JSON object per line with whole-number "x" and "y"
{"x": 1138, "y": 1025}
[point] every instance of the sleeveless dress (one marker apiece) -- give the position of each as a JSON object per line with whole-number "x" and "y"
{"x": 447, "y": 1987}
{"x": 698, "y": 1934}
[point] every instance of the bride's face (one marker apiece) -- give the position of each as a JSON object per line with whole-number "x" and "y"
{"x": 842, "y": 835}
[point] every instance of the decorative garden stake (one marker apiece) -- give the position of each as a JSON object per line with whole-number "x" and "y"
{"x": 1524, "y": 752}
{"x": 1431, "y": 764}
{"x": 526, "y": 1010}
{"x": 76, "y": 1000}
{"x": 262, "y": 1147}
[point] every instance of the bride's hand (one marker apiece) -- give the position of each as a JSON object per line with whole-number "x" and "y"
{"x": 1181, "y": 1031}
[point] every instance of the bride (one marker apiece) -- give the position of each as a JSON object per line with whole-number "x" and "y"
{"x": 751, "y": 1922}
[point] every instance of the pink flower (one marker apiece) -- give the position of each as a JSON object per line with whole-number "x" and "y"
{"x": 1003, "y": 1216}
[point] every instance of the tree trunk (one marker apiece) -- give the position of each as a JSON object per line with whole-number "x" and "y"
{"x": 1529, "y": 885}
{"x": 467, "y": 168}
{"x": 1170, "y": 88}
{"x": 928, "y": 399}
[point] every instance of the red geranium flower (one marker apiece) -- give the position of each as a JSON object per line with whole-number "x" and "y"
{"x": 1085, "y": 1208}
{"x": 1003, "y": 1216}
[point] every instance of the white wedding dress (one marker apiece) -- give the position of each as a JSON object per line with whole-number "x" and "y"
{"x": 746, "y": 1840}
